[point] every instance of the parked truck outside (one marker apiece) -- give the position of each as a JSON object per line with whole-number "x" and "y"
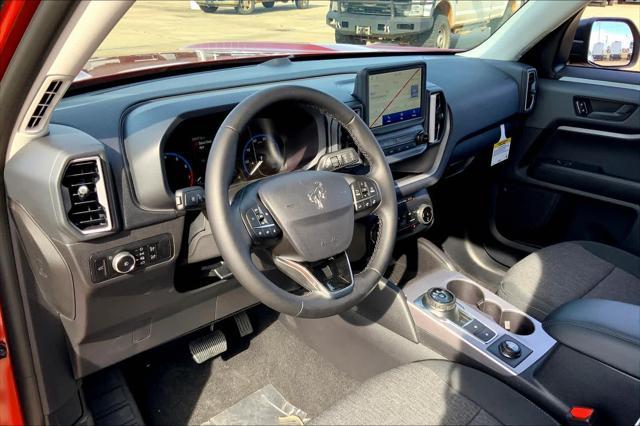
{"x": 245, "y": 7}
{"x": 429, "y": 23}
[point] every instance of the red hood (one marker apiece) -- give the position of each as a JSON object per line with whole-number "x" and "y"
{"x": 98, "y": 67}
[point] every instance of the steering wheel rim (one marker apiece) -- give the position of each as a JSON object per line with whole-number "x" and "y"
{"x": 230, "y": 232}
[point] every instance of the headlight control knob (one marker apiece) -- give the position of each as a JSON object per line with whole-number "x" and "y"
{"x": 424, "y": 214}
{"x": 123, "y": 262}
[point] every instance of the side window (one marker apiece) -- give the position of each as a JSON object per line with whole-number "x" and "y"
{"x": 608, "y": 36}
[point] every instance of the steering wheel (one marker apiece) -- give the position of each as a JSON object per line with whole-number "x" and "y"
{"x": 303, "y": 219}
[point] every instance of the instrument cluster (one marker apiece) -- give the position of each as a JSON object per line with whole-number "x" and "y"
{"x": 277, "y": 141}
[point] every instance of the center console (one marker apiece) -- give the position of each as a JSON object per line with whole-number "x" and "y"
{"x": 471, "y": 320}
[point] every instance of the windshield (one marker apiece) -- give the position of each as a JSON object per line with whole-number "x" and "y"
{"x": 164, "y": 33}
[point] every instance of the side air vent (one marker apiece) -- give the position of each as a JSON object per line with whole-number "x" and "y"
{"x": 85, "y": 196}
{"x": 437, "y": 117}
{"x": 532, "y": 87}
{"x": 43, "y": 107}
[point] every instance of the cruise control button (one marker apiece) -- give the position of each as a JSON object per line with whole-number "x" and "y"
{"x": 260, "y": 223}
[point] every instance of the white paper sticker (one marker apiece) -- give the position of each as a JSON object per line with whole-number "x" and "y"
{"x": 501, "y": 148}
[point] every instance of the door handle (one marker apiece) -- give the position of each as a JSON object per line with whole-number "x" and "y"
{"x": 601, "y": 109}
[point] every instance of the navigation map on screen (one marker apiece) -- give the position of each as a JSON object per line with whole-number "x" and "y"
{"x": 394, "y": 97}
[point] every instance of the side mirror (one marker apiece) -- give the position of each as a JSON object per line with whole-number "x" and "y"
{"x": 610, "y": 44}
{"x": 606, "y": 43}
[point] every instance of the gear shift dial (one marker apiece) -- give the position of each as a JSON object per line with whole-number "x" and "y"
{"x": 440, "y": 300}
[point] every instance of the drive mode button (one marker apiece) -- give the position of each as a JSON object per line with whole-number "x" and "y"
{"x": 510, "y": 349}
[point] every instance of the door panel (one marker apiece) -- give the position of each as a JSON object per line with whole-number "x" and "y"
{"x": 574, "y": 172}
{"x": 597, "y": 163}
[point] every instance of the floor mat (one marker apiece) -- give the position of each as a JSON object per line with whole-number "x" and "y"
{"x": 266, "y": 406}
{"x": 171, "y": 389}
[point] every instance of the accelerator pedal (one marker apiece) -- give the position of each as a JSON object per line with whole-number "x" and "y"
{"x": 244, "y": 324}
{"x": 207, "y": 347}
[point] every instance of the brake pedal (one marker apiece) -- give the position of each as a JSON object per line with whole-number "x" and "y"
{"x": 207, "y": 347}
{"x": 244, "y": 324}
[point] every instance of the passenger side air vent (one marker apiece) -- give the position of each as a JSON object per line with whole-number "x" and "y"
{"x": 532, "y": 87}
{"x": 42, "y": 109}
{"x": 437, "y": 117}
{"x": 85, "y": 196}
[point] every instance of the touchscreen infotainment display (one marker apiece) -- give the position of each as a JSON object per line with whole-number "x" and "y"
{"x": 395, "y": 96}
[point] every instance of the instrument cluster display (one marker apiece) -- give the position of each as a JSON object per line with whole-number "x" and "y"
{"x": 268, "y": 146}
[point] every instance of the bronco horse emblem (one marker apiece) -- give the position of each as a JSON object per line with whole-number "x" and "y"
{"x": 317, "y": 195}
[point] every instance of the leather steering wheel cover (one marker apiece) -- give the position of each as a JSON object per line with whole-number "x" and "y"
{"x": 233, "y": 240}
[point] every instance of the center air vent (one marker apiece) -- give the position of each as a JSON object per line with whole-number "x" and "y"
{"x": 437, "y": 117}
{"x": 85, "y": 196}
{"x": 530, "y": 95}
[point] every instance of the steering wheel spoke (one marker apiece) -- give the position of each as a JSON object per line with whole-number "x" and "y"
{"x": 331, "y": 277}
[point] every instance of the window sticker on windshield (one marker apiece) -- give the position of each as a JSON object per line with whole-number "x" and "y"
{"x": 501, "y": 148}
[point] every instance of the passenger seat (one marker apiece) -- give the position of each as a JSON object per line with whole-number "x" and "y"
{"x": 557, "y": 274}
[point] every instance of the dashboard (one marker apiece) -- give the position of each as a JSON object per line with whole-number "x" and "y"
{"x": 141, "y": 142}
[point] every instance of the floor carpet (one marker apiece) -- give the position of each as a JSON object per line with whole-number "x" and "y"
{"x": 172, "y": 389}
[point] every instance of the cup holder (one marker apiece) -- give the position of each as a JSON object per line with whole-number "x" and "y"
{"x": 493, "y": 310}
{"x": 512, "y": 321}
{"x": 516, "y": 323}
{"x": 466, "y": 292}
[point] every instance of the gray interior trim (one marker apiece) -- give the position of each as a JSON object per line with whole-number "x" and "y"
{"x": 410, "y": 184}
{"x": 603, "y": 133}
{"x": 33, "y": 177}
{"x": 601, "y": 83}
